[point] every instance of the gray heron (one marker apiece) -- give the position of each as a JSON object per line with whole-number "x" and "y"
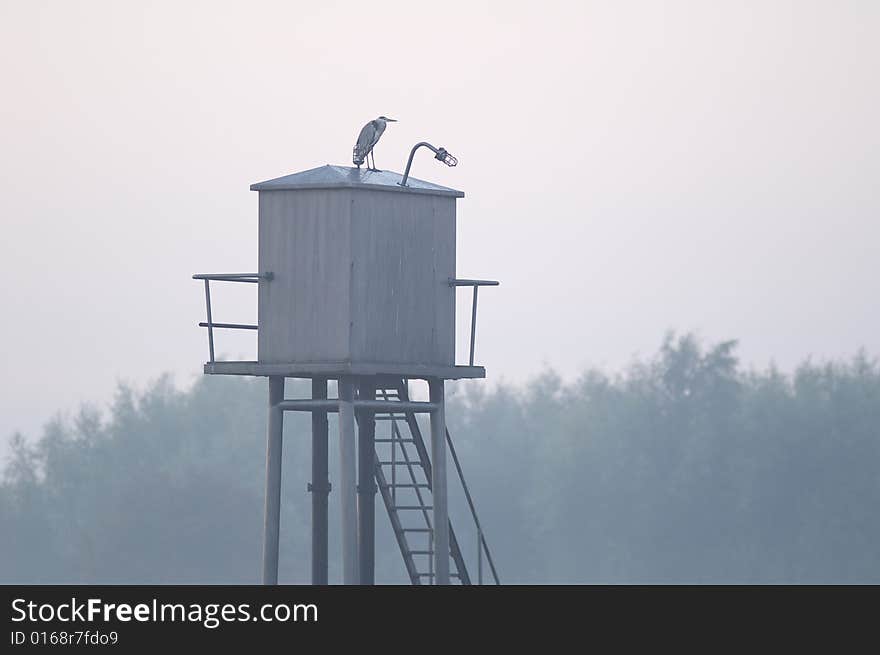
{"x": 368, "y": 138}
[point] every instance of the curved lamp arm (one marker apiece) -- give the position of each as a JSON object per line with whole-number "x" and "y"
{"x": 440, "y": 154}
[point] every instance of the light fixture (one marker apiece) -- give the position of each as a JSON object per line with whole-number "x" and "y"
{"x": 440, "y": 154}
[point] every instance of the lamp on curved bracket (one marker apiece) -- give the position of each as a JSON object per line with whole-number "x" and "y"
{"x": 440, "y": 154}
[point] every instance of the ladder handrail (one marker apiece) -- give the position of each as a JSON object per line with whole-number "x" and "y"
{"x": 422, "y": 460}
{"x": 470, "y": 501}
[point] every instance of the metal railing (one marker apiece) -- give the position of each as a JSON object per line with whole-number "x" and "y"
{"x": 482, "y": 546}
{"x": 476, "y": 284}
{"x": 252, "y": 278}
{"x": 418, "y": 440}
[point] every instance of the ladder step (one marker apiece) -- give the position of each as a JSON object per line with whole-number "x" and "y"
{"x": 390, "y": 418}
{"x": 409, "y": 485}
{"x": 415, "y": 530}
{"x": 421, "y": 552}
{"x": 390, "y": 463}
{"x": 431, "y": 575}
{"x": 395, "y": 441}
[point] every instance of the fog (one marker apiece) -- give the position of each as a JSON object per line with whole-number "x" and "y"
{"x": 630, "y": 167}
{"x": 684, "y": 469}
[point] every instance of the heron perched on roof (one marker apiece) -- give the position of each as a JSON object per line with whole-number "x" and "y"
{"x": 368, "y": 138}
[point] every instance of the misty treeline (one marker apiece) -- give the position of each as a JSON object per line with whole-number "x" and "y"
{"x": 683, "y": 468}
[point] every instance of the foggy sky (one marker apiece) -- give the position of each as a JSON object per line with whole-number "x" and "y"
{"x": 630, "y": 167}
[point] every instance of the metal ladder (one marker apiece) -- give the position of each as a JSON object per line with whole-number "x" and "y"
{"x": 403, "y": 475}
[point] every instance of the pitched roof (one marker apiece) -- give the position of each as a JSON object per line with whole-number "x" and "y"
{"x": 346, "y": 177}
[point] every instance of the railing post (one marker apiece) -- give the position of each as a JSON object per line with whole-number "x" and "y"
{"x": 210, "y": 321}
{"x": 473, "y": 324}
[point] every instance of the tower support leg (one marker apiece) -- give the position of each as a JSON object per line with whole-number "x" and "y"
{"x": 438, "y": 482}
{"x": 272, "y": 512}
{"x": 320, "y": 486}
{"x": 347, "y": 481}
{"x": 367, "y": 484}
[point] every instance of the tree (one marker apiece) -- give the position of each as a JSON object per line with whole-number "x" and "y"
{"x": 682, "y": 468}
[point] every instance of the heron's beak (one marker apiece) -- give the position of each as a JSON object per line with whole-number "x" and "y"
{"x": 391, "y": 120}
